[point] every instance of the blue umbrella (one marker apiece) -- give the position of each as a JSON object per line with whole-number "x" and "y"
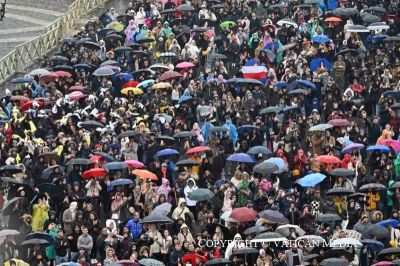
{"x": 315, "y": 63}
{"x": 311, "y": 180}
{"x": 380, "y": 148}
{"x": 379, "y": 37}
{"x": 249, "y": 81}
{"x": 124, "y": 76}
{"x": 393, "y": 222}
{"x": 320, "y": 39}
{"x": 26, "y": 79}
{"x": 245, "y": 128}
{"x": 241, "y": 158}
{"x": 85, "y": 67}
{"x": 106, "y": 156}
{"x": 115, "y": 166}
{"x": 375, "y": 245}
{"x": 281, "y": 85}
{"x": 119, "y": 182}
{"x": 166, "y": 152}
{"x": 146, "y": 83}
{"x": 259, "y": 150}
{"x": 307, "y": 83}
{"x": 252, "y": 62}
{"x": 185, "y": 97}
{"x": 393, "y": 94}
{"x": 279, "y": 162}
{"x": 289, "y": 108}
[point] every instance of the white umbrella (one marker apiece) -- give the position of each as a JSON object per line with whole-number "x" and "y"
{"x": 378, "y": 26}
{"x": 162, "y": 66}
{"x": 357, "y": 28}
{"x": 285, "y": 229}
{"x": 287, "y": 21}
{"x": 320, "y": 127}
{"x": 269, "y": 237}
{"x": 39, "y": 72}
{"x": 226, "y": 215}
{"x": 346, "y": 242}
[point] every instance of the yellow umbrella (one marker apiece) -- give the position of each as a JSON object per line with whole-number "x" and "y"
{"x": 134, "y": 90}
{"x": 18, "y": 262}
{"x": 161, "y": 85}
{"x": 118, "y": 27}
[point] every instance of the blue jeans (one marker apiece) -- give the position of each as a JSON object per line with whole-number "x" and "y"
{"x": 60, "y": 260}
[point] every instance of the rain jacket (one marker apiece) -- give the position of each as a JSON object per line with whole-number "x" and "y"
{"x": 187, "y": 190}
{"x": 372, "y": 200}
{"x": 180, "y": 211}
{"x": 39, "y": 216}
{"x": 235, "y": 244}
{"x": 185, "y": 237}
{"x": 244, "y": 191}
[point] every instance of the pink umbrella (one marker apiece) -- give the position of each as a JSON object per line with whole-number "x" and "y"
{"x": 76, "y": 95}
{"x": 185, "y": 65}
{"x": 134, "y": 164}
{"x": 394, "y": 144}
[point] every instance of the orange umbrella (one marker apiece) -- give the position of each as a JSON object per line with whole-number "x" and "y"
{"x": 145, "y": 174}
{"x": 333, "y": 19}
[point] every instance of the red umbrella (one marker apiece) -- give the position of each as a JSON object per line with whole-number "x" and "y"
{"x": 63, "y": 74}
{"x": 243, "y": 214}
{"x": 132, "y": 83}
{"x": 49, "y": 77}
{"x": 46, "y": 101}
{"x": 76, "y": 88}
{"x": 31, "y": 104}
{"x": 76, "y": 95}
{"x": 383, "y": 263}
{"x": 339, "y": 122}
{"x": 169, "y": 75}
{"x": 185, "y": 65}
{"x": 328, "y": 159}
{"x": 93, "y": 173}
{"x": 198, "y": 149}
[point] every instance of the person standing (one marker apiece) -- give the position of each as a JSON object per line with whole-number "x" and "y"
{"x": 61, "y": 246}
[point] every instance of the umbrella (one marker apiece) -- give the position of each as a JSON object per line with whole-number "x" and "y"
{"x": 63, "y": 74}
{"x": 145, "y": 40}
{"x": 341, "y": 172}
{"x": 311, "y": 180}
{"x": 297, "y": 91}
{"x": 218, "y": 57}
{"x": 352, "y": 146}
{"x": 168, "y": 54}
{"x": 156, "y": 218}
{"x": 25, "y": 79}
{"x": 185, "y": 7}
{"x": 285, "y": 47}
{"x": 274, "y": 217}
{"x": 201, "y": 194}
{"x": 333, "y": 19}
{"x": 162, "y": 209}
{"x": 377, "y": 9}
{"x": 77, "y": 88}
{"x": 9, "y": 180}
{"x": 134, "y": 164}
{"x": 320, "y": 127}
{"x": 134, "y": 91}
{"x": 344, "y": 12}
{"x": 375, "y": 245}
{"x": 105, "y": 156}
{"x": 243, "y": 214}
{"x": 115, "y": 166}
{"x": 119, "y": 182}
{"x": 185, "y": 65}
{"x": 39, "y": 72}
{"x": 334, "y": 262}
{"x": 166, "y": 152}
{"x": 241, "y": 158}
{"x": 384, "y": 263}
{"x": 161, "y": 85}
{"x": 8, "y": 232}
{"x": 275, "y": 7}
{"x": 166, "y": 138}
{"x": 218, "y": 261}
{"x": 184, "y": 134}
{"x": 198, "y": 149}
{"x": 128, "y": 134}
{"x": 168, "y": 11}
{"x": 357, "y": 28}
{"x": 339, "y": 191}
{"x": 125, "y": 77}
{"x": 187, "y": 163}
{"x": 269, "y": 237}
{"x": 314, "y": 64}
{"x": 259, "y": 150}
{"x": 270, "y": 110}
{"x": 91, "y": 124}
{"x": 339, "y": 122}
{"x": 249, "y": 81}
{"x": 286, "y": 229}
{"x": 103, "y": 71}
{"x": 380, "y": 148}
{"x": 245, "y": 128}
{"x": 328, "y": 159}
{"x": 218, "y": 129}
{"x": 320, "y": 39}
{"x": 49, "y": 77}
{"x": 227, "y": 24}
{"x": 94, "y": 172}
{"x": 123, "y": 49}
{"x": 287, "y": 21}
{"x": 257, "y": 229}
{"x": 35, "y": 241}
{"x": 145, "y": 174}
{"x": 378, "y": 26}
{"x": 76, "y": 95}
{"x": 159, "y": 66}
{"x": 279, "y": 162}
{"x": 345, "y": 51}
{"x": 81, "y": 161}
{"x": 91, "y": 45}
{"x": 125, "y": 263}
{"x": 388, "y": 252}
{"x": 395, "y": 185}
{"x": 244, "y": 250}
{"x": 49, "y": 156}
{"x": 370, "y": 18}
{"x": 346, "y": 242}
{"x": 146, "y": 83}
{"x": 12, "y": 169}
{"x": 311, "y": 257}
{"x": 327, "y": 217}
{"x": 52, "y": 189}
{"x": 373, "y": 186}
{"x": 306, "y": 83}
{"x": 8, "y": 207}
{"x": 265, "y": 168}
{"x": 394, "y": 223}
{"x": 117, "y": 26}
{"x": 109, "y": 63}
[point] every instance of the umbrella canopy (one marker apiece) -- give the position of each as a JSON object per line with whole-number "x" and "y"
{"x": 218, "y": 261}
{"x": 185, "y": 7}
{"x": 388, "y": 252}
{"x": 39, "y": 235}
{"x": 340, "y": 191}
{"x": 274, "y": 217}
{"x": 287, "y": 229}
{"x": 35, "y": 241}
{"x": 185, "y": 65}
{"x": 120, "y": 182}
{"x": 8, "y": 232}
{"x": 311, "y": 180}
{"x": 12, "y": 169}
{"x": 145, "y": 174}
{"x": 104, "y": 155}
{"x": 315, "y": 63}
{"x": 259, "y": 150}
{"x": 156, "y": 218}
{"x": 384, "y": 263}
{"x": 227, "y": 24}
{"x": 169, "y": 75}
{"x": 328, "y": 217}
{"x": 134, "y": 164}
{"x": 352, "y": 146}
{"x": 162, "y": 209}
{"x": 103, "y": 71}
{"x": 373, "y": 186}
{"x": 394, "y": 223}
{"x": 80, "y": 161}
{"x": 271, "y": 110}
{"x": 245, "y": 128}
{"x": 320, "y": 39}
{"x": 333, "y": 19}
{"x": 358, "y": 28}
{"x": 198, "y": 149}
{"x": 257, "y": 229}
{"x": 374, "y": 230}
{"x": 394, "y": 144}
{"x": 279, "y": 162}
{"x": 241, "y": 158}
{"x": 287, "y": 21}
{"x": 115, "y": 166}
{"x": 166, "y": 152}
{"x": 243, "y": 214}
{"x": 151, "y": 262}
{"x": 39, "y": 72}
{"x": 245, "y": 250}
{"x": 218, "y": 129}
{"x": 320, "y": 127}
{"x": 328, "y": 159}
{"x": 52, "y": 189}
{"x": 334, "y": 262}
{"x": 339, "y": 122}
{"x": 269, "y": 237}
{"x": 375, "y": 245}
{"x": 201, "y": 194}
{"x": 94, "y": 173}
{"x": 128, "y": 134}
{"x": 131, "y": 90}
{"x": 380, "y": 148}
{"x": 187, "y": 163}
{"x": 184, "y": 134}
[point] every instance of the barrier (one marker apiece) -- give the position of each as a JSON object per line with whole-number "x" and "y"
{"x": 26, "y": 53}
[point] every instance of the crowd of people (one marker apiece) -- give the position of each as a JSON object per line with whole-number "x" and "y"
{"x": 209, "y": 133}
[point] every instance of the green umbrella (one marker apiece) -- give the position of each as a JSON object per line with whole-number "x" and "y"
{"x": 227, "y": 24}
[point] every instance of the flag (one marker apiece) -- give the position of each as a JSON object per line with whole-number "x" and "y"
{"x": 254, "y": 72}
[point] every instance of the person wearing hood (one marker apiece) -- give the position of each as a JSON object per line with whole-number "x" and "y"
{"x": 69, "y": 217}
{"x": 237, "y": 243}
{"x": 166, "y": 30}
{"x": 189, "y": 188}
{"x": 233, "y": 135}
{"x": 185, "y": 234}
{"x": 165, "y": 188}
{"x": 244, "y": 189}
{"x": 131, "y": 32}
{"x": 39, "y": 214}
{"x": 117, "y": 205}
{"x": 52, "y": 219}
{"x": 362, "y": 225}
{"x": 180, "y": 210}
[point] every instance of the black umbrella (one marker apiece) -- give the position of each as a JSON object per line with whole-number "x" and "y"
{"x": 8, "y": 207}
{"x": 265, "y": 168}
{"x": 275, "y": 7}
{"x": 199, "y": 30}
{"x": 145, "y": 40}
{"x": 52, "y": 189}
{"x": 341, "y": 172}
{"x": 9, "y": 180}
{"x": 334, "y": 262}
{"x": 337, "y": 253}
{"x": 201, "y": 194}
{"x": 113, "y": 37}
{"x": 217, "y": 6}
{"x": 388, "y": 252}
{"x": 82, "y": 40}
{"x": 13, "y": 191}
{"x": 270, "y": 110}
{"x": 63, "y": 68}
{"x": 245, "y": 250}
{"x": 150, "y": 262}
{"x": 156, "y": 218}
{"x": 344, "y": 12}
{"x": 80, "y": 161}
{"x": 48, "y": 171}
{"x": 274, "y": 217}
{"x": 377, "y": 9}
{"x": 311, "y": 257}
{"x": 187, "y": 163}
{"x": 185, "y": 134}
{"x": 345, "y": 51}
{"x": 218, "y": 261}
{"x": 59, "y": 58}
{"x": 103, "y": 32}
{"x": 374, "y": 230}
{"x": 358, "y": 194}
{"x": 12, "y": 169}
{"x": 128, "y": 133}
{"x": 328, "y": 217}
{"x": 369, "y": 18}
{"x": 35, "y": 241}
{"x": 168, "y": 11}
{"x": 141, "y": 53}
{"x": 185, "y": 7}
{"x": 257, "y": 229}
{"x": 165, "y": 138}
{"x": 269, "y": 237}
{"x": 339, "y": 191}
{"x": 373, "y": 186}
{"x": 91, "y": 45}
{"x": 43, "y": 236}
{"x": 395, "y": 185}
{"x": 123, "y": 49}
{"x": 125, "y": 17}
{"x": 91, "y": 124}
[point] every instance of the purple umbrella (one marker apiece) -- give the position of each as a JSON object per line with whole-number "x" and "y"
{"x": 353, "y": 146}
{"x": 241, "y": 158}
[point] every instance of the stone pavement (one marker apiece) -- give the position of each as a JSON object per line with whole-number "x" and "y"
{"x": 26, "y": 19}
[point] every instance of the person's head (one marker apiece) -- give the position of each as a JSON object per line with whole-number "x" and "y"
{"x": 85, "y": 231}
{"x": 60, "y": 233}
